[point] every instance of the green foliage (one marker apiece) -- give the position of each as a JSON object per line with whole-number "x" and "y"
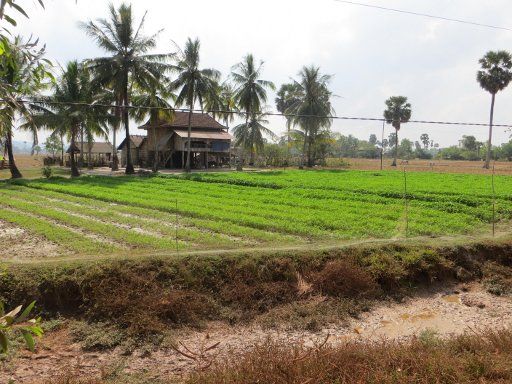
{"x": 18, "y": 320}
{"x": 280, "y": 207}
{"x": 47, "y": 172}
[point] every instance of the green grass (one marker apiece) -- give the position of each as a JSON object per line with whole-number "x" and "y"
{"x": 237, "y": 210}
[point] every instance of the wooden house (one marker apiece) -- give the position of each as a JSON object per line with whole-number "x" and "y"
{"x": 210, "y": 142}
{"x": 138, "y": 144}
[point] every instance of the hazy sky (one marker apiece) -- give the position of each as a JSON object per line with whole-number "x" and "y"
{"x": 371, "y": 53}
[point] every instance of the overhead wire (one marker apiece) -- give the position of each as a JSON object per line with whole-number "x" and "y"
{"x": 461, "y": 21}
{"x": 242, "y": 113}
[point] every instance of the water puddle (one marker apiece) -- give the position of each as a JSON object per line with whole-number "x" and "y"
{"x": 451, "y": 299}
{"x": 426, "y": 315}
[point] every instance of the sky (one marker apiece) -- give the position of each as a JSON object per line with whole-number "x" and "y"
{"x": 372, "y": 54}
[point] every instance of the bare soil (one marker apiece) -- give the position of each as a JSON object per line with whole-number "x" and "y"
{"x": 17, "y": 243}
{"x": 448, "y": 311}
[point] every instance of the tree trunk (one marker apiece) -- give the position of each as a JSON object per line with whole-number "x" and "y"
{"x": 155, "y": 160}
{"x": 15, "y": 172}
{"x": 81, "y": 158}
{"x": 61, "y": 149}
{"x": 310, "y": 160}
{"x": 304, "y": 149}
{"x": 115, "y": 159}
{"x": 189, "y": 134}
{"x": 72, "y": 160}
{"x": 396, "y": 149}
{"x": 129, "y": 164}
{"x": 89, "y": 155}
{"x": 489, "y": 142}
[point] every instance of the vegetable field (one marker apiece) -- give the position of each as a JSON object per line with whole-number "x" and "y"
{"x": 218, "y": 211}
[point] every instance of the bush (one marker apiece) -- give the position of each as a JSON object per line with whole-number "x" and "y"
{"x": 47, "y": 172}
{"x": 344, "y": 278}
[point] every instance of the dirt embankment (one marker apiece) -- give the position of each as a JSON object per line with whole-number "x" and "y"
{"x": 431, "y": 313}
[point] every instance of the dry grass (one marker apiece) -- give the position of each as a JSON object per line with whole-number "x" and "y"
{"x": 435, "y": 165}
{"x": 344, "y": 278}
{"x": 469, "y": 358}
{"x": 475, "y": 358}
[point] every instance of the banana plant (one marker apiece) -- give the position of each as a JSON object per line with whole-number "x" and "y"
{"x": 18, "y": 321}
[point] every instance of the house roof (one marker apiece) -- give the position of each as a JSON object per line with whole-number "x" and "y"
{"x": 136, "y": 140}
{"x": 198, "y": 121}
{"x": 97, "y": 147}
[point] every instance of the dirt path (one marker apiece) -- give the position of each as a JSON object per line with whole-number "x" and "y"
{"x": 446, "y": 312}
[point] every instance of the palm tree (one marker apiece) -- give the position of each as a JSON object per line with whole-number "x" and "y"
{"x": 398, "y": 111}
{"x": 22, "y": 74}
{"x": 250, "y": 91}
{"x": 222, "y": 105}
{"x": 250, "y": 135}
{"x": 155, "y": 105}
{"x": 495, "y": 75}
{"x": 287, "y": 96}
{"x": 312, "y": 110}
{"x": 193, "y": 84}
{"x": 129, "y": 65}
{"x": 63, "y": 114}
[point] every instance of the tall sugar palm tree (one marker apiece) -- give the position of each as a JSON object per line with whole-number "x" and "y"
{"x": 250, "y": 93}
{"x": 398, "y": 111}
{"x": 494, "y": 76}
{"x": 312, "y": 109}
{"x": 129, "y": 64}
{"x": 250, "y": 135}
{"x": 22, "y": 74}
{"x": 155, "y": 105}
{"x": 193, "y": 84}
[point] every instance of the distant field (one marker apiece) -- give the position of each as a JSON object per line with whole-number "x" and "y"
{"x": 101, "y": 215}
{"x": 434, "y": 165}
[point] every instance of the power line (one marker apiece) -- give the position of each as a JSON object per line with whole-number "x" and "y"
{"x": 423, "y": 15}
{"x": 224, "y": 112}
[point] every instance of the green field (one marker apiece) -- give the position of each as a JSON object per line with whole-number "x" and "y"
{"x": 100, "y": 215}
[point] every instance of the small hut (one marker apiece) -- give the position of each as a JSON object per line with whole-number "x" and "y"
{"x": 100, "y": 153}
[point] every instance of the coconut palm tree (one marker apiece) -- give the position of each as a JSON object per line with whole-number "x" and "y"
{"x": 193, "y": 84}
{"x": 250, "y": 135}
{"x": 62, "y": 113}
{"x": 222, "y": 105}
{"x": 129, "y": 64}
{"x": 398, "y": 111}
{"x": 22, "y": 74}
{"x": 250, "y": 93}
{"x": 312, "y": 109}
{"x": 495, "y": 75}
{"x": 287, "y": 96}
{"x": 155, "y": 105}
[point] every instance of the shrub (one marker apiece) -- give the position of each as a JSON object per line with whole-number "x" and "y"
{"x": 47, "y": 172}
{"x": 343, "y": 278}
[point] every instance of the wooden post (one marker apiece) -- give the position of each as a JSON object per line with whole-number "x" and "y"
{"x": 406, "y": 205}
{"x": 177, "y": 247}
{"x": 493, "y": 201}
{"x": 382, "y": 146}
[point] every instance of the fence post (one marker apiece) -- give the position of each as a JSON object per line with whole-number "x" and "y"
{"x": 406, "y": 205}
{"x": 176, "y": 227}
{"x": 382, "y": 145}
{"x": 493, "y": 201}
